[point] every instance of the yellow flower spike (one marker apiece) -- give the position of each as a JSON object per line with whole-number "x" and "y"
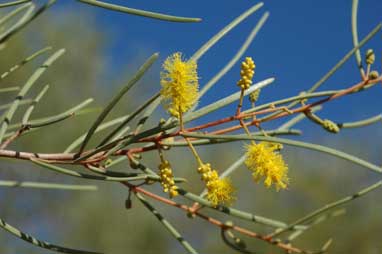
{"x": 167, "y": 179}
{"x": 214, "y": 175}
{"x": 179, "y": 80}
{"x": 246, "y": 73}
{"x": 264, "y": 161}
{"x": 219, "y": 191}
{"x": 204, "y": 168}
{"x": 173, "y": 191}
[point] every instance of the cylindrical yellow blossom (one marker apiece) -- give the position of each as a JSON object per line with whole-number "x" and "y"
{"x": 219, "y": 191}
{"x": 204, "y": 168}
{"x": 167, "y": 179}
{"x": 265, "y": 162}
{"x": 179, "y": 80}
{"x": 246, "y": 73}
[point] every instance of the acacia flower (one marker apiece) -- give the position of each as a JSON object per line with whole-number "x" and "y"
{"x": 219, "y": 191}
{"x": 179, "y": 80}
{"x": 167, "y": 179}
{"x": 264, "y": 160}
{"x": 246, "y": 73}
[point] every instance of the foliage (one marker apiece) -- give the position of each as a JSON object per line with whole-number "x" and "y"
{"x": 132, "y": 137}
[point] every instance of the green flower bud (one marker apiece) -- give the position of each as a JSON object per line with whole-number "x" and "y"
{"x": 254, "y": 96}
{"x": 373, "y": 75}
{"x": 330, "y": 126}
{"x": 370, "y": 56}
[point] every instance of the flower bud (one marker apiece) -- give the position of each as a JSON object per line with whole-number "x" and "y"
{"x": 370, "y": 56}
{"x": 373, "y": 75}
{"x": 330, "y": 126}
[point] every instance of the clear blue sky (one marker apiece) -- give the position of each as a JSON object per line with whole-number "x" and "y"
{"x": 299, "y": 43}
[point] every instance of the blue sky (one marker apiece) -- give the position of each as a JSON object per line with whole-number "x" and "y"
{"x": 300, "y": 42}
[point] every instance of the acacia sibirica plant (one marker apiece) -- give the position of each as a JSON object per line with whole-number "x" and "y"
{"x": 178, "y": 94}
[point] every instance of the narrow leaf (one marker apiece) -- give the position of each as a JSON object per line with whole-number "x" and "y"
{"x": 28, "y": 85}
{"x": 137, "y": 12}
{"x": 138, "y": 75}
